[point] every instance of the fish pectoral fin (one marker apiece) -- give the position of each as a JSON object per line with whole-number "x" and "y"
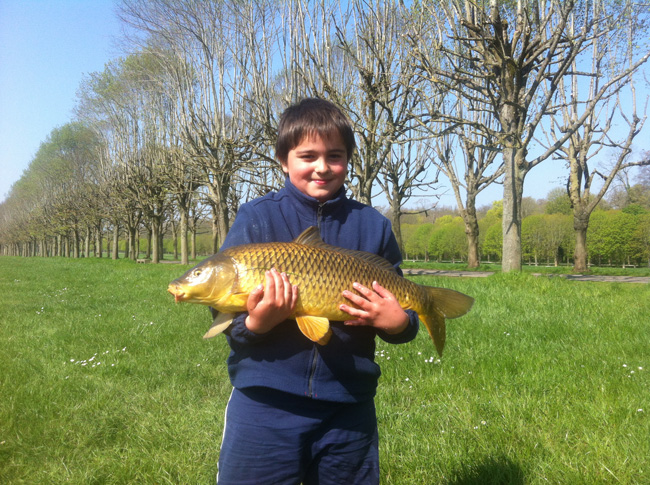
{"x": 316, "y": 329}
{"x": 238, "y": 300}
{"x": 219, "y": 324}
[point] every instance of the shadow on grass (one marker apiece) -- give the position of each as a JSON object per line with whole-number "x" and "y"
{"x": 493, "y": 471}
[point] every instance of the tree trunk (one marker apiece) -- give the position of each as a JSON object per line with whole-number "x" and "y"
{"x": 513, "y": 188}
{"x": 116, "y": 238}
{"x": 472, "y": 233}
{"x": 580, "y": 225}
{"x": 149, "y": 240}
{"x": 86, "y": 252}
{"x": 396, "y": 212}
{"x": 132, "y": 231}
{"x": 215, "y": 235}
{"x": 175, "y": 239}
{"x": 184, "y": 258}
{"x": 193, "y": 245}
{"x": 99, "y": 238}
{"x": 154, "y": 244}
{"x": 75, "y": 242}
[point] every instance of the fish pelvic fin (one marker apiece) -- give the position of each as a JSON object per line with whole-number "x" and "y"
{"x": 316, "y": 329}
{"x": 219, "y": 324}
{"x": 441, "y": 304}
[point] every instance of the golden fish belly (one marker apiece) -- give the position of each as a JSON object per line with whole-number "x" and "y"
{"x": 320, "y": 274}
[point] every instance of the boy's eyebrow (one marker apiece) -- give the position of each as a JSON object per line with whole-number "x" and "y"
{"x": 333, "y": 150}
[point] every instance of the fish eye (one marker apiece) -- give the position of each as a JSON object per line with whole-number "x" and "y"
{"x": 196, "y": 272}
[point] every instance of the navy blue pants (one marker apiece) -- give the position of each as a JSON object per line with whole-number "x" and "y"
{"x": 271, "y": 437}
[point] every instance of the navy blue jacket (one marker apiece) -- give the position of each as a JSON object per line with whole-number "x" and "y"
{"x": 344, "y": 370}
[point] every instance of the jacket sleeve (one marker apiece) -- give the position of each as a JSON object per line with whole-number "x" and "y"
{"x": 394, "y": 255}
{"x": 243, "y": 231}
{"x": 409, "y": 333}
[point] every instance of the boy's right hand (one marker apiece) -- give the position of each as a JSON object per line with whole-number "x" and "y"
{"x": 271, "y": 303}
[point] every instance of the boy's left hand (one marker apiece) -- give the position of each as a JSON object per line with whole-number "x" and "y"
{"x": 377, "y": 307}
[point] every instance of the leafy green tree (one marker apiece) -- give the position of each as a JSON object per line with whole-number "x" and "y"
{"x": 417, "y": 239}
{"x": 610, "y": 236}
{"x": 532, "y": 237}
{"x": 558, "y": 202}
{"x": 451, "y": 241}
{"x": 641, "y": 239}
{"x": 558, "y": 236}
{"x": 493, "y": 242}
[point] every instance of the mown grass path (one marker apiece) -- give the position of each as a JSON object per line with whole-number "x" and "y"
{"x": 485, "y": 274}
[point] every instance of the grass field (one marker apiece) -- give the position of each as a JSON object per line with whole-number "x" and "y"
{"x": 103, "y": 379}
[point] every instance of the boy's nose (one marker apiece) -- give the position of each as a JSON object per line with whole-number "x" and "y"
{"x": 322, "y": 166}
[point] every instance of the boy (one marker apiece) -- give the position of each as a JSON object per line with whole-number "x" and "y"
{"x": 300, "y": 412}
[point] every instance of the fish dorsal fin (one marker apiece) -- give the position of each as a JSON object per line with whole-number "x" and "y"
{"x": 311, "y": 237}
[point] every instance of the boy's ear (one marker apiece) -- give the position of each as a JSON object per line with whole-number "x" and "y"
{"x": 285, "y": 166}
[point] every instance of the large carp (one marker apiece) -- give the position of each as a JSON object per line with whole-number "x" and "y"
{"x": 321, "y": 272}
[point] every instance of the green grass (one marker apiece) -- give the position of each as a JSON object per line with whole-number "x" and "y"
{"x": 103, "y": 379}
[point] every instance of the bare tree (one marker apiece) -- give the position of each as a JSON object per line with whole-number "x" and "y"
{"x": 613, "y": 63}
{"x": 405, "y": 173}
{"x": 219, "y": 55}
{"x": 354, "y": 53}
{"x": 510, "y": 51}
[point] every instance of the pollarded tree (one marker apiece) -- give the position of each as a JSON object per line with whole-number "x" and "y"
{"x": 470, "y": 171}
{"x": 355, "y": 54}
{"x": 219, "y": 57}
{"x": 614, "y": 57}
{"x": 514, "y": 54}
{"x": 462, "y": 129}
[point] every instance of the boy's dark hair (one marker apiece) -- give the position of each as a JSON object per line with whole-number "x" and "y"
{"x": 308, "y": 117}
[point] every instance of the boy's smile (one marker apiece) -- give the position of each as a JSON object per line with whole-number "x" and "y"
{"x": 317, "y": 166}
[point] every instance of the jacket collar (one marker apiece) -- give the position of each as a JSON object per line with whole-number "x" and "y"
{"x": 308, "y": 203}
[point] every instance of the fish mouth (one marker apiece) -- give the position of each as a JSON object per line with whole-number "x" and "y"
{"x": 179, "y": 295}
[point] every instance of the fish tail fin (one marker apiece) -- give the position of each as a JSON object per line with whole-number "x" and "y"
{"x": 442, "y": 303}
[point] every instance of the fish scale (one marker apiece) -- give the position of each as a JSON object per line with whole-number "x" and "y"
{"x": 322, "y": 294}
{"x": 321, "y": 272}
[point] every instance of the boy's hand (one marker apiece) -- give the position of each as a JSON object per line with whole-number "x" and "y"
{"x": 378, "y": 308}
{"x": 271, "y": 303}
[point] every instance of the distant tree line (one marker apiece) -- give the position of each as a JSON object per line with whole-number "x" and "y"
{"x": 619, "y": 233}
{"x": 458, "y": 94}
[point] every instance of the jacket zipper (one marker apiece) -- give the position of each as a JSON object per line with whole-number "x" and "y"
{"x": 319, "y": 215}
{"x": 312, "y": 371}
{"x": 314, "y": 360}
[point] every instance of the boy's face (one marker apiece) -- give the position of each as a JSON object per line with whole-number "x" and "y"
{"x": 317, "y": 166}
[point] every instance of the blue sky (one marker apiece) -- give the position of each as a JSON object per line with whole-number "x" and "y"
{"x": 46, "y": 47}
